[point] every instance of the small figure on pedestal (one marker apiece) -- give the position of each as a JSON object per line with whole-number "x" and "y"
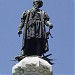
{"x": 35, "y": 36}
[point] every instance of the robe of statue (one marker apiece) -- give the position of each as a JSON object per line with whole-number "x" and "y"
{"x": 35, "y": 41}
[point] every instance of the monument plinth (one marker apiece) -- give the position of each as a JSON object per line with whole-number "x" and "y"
{"x": 32, "y": 66}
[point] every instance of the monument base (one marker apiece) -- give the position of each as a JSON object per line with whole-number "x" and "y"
{"x": 32, "y": 65}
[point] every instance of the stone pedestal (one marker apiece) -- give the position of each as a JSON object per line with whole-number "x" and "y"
{"x": 32, "y": 66}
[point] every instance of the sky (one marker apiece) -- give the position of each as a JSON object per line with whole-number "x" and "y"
{"x": 61, "y": 14}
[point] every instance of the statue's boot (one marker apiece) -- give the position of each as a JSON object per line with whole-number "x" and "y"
{"x": 20, "y": 57}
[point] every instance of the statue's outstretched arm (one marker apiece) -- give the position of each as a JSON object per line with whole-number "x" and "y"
{"x": 23, "y": 17}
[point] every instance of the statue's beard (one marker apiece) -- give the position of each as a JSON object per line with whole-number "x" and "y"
{"x": 36, "y": 6}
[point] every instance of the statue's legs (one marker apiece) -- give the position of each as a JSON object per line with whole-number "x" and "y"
{"x": 33, "y": 46}
{"x": 39, "y": 46}
{"x": 28, "y": 47}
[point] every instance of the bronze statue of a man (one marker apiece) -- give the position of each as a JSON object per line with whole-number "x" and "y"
{"x": 34, "y": 21}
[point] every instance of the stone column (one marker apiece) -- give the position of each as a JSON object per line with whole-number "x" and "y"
{"x": 32, "y": 65}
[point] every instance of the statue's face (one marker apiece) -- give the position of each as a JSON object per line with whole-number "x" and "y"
{"x": 36, "y": 4}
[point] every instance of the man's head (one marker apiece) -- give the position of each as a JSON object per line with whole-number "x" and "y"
{"x": 37, "y": 4}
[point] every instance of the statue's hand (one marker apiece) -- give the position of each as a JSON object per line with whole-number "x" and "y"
{"x": 19, "y": 32}
{"x": 51, "y": 27}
